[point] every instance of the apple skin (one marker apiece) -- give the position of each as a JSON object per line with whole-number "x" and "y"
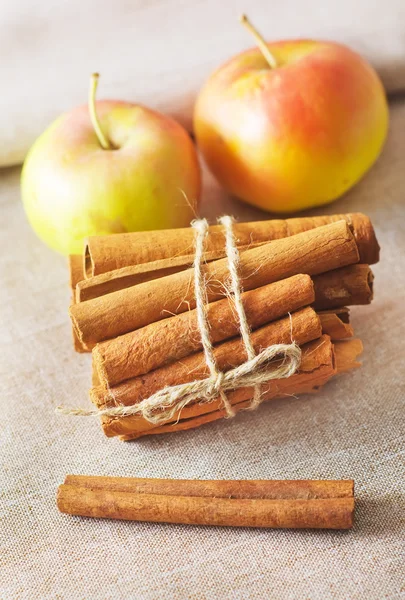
{"x": 73, "y": 188}
{"x": 293, "y": 137}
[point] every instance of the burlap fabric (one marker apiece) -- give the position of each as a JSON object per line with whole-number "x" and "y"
{"x": 353, "y": 428}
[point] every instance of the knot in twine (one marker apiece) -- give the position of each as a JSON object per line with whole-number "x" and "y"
{"x": 258, "y": 369}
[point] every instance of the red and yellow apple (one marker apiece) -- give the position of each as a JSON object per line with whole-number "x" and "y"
{"x": 292, "y": 125}
{"x": 145, "y": 177}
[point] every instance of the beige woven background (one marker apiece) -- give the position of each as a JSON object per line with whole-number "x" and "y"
{"x": 353, "y": 428}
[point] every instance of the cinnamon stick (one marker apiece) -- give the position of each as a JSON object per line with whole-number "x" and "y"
{"x": 330, "y": 513}
{"x": 304, "y": 489}
{"x": 95, "y": 379}
{"x": 157, "y": 344}
{"x": 344, "y": 356}
{"x": 75, "y": 264}
{"x": 108, "y": 253}
{"x": 312, "y": 252}
{"x": 343, "y": 287}
{"x": 355, "y": 286}
{"x": 317, "y": 367}
{"x": 293, "y": 504}
{"x": 119, "y": 279}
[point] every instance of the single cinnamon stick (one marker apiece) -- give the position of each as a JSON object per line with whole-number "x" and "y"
{"x": 119, "y": 279}
{"x": 164, "y": 342}
{"x": 345, "y": 357}
{"x": 343, "y": 287}
{"x": 317, "y": 367}
{"x": 331, "y": 513}
{"x": 95, "y": 379}
{"x": 108, "y": 253}
{"x": 302, "y": 326}
{"x": 303, "y": 489}
{"x": 75, "y": 264}
{"x": 355, "y": 286}
{"x": 312, "y": 252}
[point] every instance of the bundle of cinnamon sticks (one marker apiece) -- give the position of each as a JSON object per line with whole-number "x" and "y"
{"x": 133, "y": 306}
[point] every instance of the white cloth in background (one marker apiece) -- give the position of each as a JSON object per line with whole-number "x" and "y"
{"x": 159, "y": 53}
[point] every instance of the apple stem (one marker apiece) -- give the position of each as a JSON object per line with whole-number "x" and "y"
{"x": 104, "y": 142}
{"x": 260, "y": 41}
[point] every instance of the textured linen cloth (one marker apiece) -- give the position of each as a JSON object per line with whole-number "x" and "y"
{"x": 159, "y": 53}
{"x": 354, "y": 428}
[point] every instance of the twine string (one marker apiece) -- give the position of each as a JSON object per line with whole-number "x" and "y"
{"x": 274, "y": 362}
{"x": 236, "y": 288}
{"x": 200, "y": 227}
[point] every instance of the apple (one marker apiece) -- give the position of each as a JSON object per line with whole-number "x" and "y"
{"x": 293, "y": 124}
{"x": 109, "y": 167}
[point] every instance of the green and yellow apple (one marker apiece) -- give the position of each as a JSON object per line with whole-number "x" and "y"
{"x": 109, "y": 167}
{"x": 292, "y": 124}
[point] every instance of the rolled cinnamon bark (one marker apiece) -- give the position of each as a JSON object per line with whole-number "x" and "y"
{"x": 354, "y": 287}
{"x": 108, "y": 253}
{"x": 75, "y": 264}
{"x": 302, "y": 326}
{"x": 317, "y": 367}
{"x": 312, "y": 252}
{"x": 120, "y": 279}
{"x": 304, "y": 489}
{"x": 95, "y": 379}
{"x": 343, "y": 287}
{"x": 164, "y": 342}
{"x": 345, "y": 357}
{"x": 331, "y": 513}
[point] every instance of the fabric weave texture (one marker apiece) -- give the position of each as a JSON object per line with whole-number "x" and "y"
{"x": 354, "y": 428}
